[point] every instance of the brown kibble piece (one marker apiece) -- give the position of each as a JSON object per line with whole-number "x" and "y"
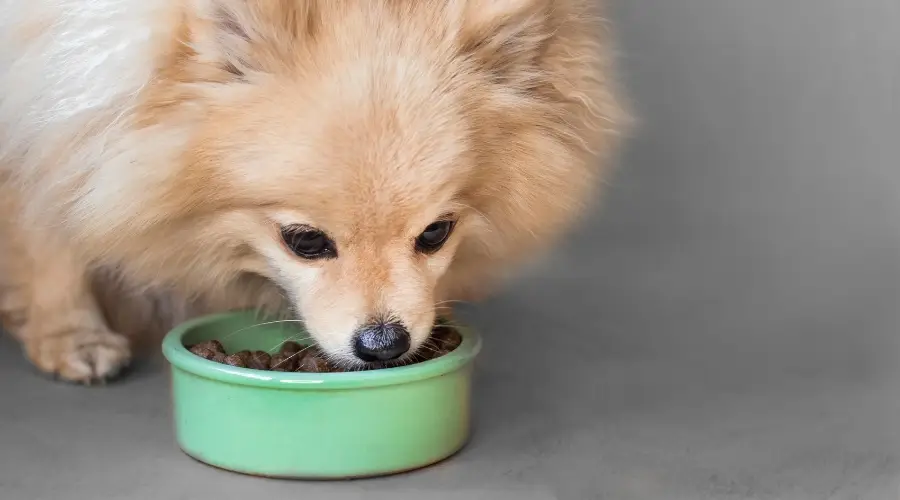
{"x": 212, "y": 345}
{"x": 245, "y": 355}
{"x": 203, "y": 352}
{"x": 313, "y": 351}
{"x": 234, "y": 360}
{"x": 290, "y": 347}
{"x": 312, "y": 364}
{"x": 219, "y": 357}
{"x": 259, "y": 360}
{"x": 282, "y": 363}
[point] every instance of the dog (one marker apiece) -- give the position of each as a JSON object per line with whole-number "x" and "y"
{"x": 355, "y": 164}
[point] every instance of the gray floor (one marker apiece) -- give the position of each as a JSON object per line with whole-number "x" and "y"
{"x": 727, "y": 327}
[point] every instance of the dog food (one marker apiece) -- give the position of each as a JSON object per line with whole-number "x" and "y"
{"x": 293, "y": 357}
{"x": 445, "y": 339}
{"x": 235, "y": 360}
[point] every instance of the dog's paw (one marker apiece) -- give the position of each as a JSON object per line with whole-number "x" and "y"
{"x": 83, "y": 356}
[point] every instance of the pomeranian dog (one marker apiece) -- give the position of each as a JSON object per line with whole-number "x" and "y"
{"x": 356, "y": 164}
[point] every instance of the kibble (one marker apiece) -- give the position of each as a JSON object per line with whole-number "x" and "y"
{"x": 294, "y": 357}
{"x": 212, "y": 345}
{"x": 203, "y": 352}
{"x": 282, "y": 362}
{"x": 234, "y": 360}
{"x": 313, "y": 364}
{"x": 260, "y": 360}
{"x": 290, "y": 347}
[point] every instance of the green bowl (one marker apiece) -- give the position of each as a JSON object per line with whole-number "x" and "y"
{"x": 311, "y": 425}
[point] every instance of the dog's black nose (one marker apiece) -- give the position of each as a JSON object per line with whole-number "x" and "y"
{"x": 381, "y": 342}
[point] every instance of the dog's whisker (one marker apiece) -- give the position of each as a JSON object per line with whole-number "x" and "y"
{"x": 451, "y": 301}
{"x": 429, "y": 347}
{"x": 265, "y": 323}
{"x": 450, "y": 323}
{"x": 294, "y": 338}
{"x": 301, "y": 351}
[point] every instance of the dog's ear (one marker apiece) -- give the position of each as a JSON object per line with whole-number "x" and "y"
{"x": 504, "y": 34}
{"x": 241, "y": 36}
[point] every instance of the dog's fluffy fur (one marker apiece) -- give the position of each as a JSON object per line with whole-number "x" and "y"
{"x": 150, "y": 149}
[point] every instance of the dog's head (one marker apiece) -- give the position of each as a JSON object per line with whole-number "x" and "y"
{"x": 373, "y": 159}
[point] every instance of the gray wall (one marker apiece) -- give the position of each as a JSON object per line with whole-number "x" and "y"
{"x": 766, "y": 177}
{"x": 733, "y": 309}
{"x": 758, "y": 205}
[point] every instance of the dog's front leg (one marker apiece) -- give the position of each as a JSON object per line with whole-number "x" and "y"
{"x": 46, "y": 289}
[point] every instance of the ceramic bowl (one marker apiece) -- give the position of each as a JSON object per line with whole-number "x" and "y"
{"x": 314, "y": 425}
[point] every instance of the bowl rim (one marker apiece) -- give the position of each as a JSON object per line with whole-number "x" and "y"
{"x": 180, "y": 358}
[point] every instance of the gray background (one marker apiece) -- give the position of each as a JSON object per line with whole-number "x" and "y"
{"x": 726, "y": 327}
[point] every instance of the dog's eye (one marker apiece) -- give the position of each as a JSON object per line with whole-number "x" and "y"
{"x": 434, "y": 236}
{"x": 308, "y": 242}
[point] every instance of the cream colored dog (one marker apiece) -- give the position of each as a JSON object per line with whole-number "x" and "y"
{"x": 356, "y": 163}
